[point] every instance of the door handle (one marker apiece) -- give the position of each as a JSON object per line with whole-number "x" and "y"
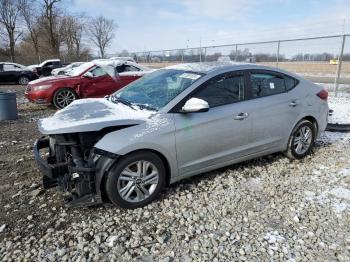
{"x": 293, "y": 104}
{"x": 241, "y": 116}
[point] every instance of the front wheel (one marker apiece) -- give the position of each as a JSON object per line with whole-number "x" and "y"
{"x": 301, "y": 140}
{"x": 135, "y": 180}
{"x": 63, "y": 97}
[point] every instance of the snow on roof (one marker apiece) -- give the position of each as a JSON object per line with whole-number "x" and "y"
{"x": 204, "y": 67}
{"x": 50, "y": 60}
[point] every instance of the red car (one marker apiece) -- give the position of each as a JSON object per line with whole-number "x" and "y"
{"x": 92, "y": 79}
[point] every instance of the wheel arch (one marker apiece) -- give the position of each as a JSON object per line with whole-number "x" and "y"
{"x": 310, "y": 118}
{"x": 107, "y": 163}
{"x": 63, "y": 87}
{"x": 313, "y": 120}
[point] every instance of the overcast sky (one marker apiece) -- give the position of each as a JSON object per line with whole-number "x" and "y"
{"x": 153, "y": 25}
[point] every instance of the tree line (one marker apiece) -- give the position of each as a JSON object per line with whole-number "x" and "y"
{"x": 34, "y": 30}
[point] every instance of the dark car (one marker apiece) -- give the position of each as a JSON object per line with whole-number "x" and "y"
{"x": 16, "y": 73}
{"x": 45, "y": 68}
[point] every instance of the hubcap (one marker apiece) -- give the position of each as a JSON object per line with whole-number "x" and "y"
{"x": 64, "y": 98}
{"x": 302, "y": 140}
{"x": 23, "y": 81}
{"x": 138, "y": 181}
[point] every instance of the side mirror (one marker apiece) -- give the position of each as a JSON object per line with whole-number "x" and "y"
{"x": 88, "y": 75}
{"x": 195, "y": 105}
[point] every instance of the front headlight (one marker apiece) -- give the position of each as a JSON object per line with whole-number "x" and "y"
{"x": 42, "y": 87}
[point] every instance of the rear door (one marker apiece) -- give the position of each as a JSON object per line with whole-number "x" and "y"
{"x": 276, "y": 108}
{"x": 214, "y": 138}
{"x": 100, "y": 85}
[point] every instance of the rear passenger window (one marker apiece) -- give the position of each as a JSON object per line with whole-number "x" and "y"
{"x": 222, "y": 91}
{"x": 265, "y": 84}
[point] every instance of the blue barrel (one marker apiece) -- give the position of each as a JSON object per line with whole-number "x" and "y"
{"x": 8, "y": 106}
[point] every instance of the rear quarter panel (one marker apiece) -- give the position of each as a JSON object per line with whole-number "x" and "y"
{"x": 311, "y": 105}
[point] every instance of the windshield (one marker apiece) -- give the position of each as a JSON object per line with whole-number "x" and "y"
{"x": 157, "y": 89}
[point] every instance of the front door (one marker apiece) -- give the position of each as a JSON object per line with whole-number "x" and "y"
{"x": 100, "y": 85}
{"x": 216, "y": 137}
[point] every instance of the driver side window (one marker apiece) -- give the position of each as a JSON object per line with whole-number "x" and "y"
{"x": 8, "y": 67}
{"x": 97, "y": 71}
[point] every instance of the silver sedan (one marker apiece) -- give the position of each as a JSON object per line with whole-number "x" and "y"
{"x": 178, "y": 122}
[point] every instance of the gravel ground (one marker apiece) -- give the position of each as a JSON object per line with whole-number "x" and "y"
{"x": 267, "y": 209}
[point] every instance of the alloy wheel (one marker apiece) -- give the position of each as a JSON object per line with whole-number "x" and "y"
{"x": 64, "y": 98}
{"x": 138, "y": 181}
{"x": 302, "y": 140}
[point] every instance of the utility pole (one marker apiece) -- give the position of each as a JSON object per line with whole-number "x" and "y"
{"x": 340, "y": 61}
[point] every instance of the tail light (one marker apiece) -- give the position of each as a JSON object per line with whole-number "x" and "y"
{"x": 323, "y": 94}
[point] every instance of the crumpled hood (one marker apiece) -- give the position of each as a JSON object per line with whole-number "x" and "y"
{"x": 52, "y": 79}
{"x": 91, "y": 114}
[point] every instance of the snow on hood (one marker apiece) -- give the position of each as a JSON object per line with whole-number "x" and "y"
{"x": 47, "y": 78}
{"x": 91, "y": 114}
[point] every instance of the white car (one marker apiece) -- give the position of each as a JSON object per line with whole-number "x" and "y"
{"x": 65, "y": 69}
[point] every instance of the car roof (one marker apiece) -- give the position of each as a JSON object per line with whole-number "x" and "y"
{"x": 52, "y": 60}
{"x": 217, "y": 67}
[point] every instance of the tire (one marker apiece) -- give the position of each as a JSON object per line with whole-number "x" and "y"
{"x": 63, "y": 97}
{"x": 23, "y": 80}
{"x": 300, "y": 145}
{"x": 125, "y": 190}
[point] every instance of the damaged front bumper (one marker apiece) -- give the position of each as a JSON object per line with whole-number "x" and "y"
{"x": 63, "y": 166}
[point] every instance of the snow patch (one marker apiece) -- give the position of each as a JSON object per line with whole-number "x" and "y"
{"x": 153, "y": 124}
{"x": 340, "y": 192}
{"x": 202, "y": 67}
{"x": 91, "y": 111}
{"x": 341, "y": 110}
{"x": 331, "y": 137}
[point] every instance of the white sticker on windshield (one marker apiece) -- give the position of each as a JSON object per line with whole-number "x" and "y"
{"x": 272, "y": 85}
{"x": 190, "y": 76}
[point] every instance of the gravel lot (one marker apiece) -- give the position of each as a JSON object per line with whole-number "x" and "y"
{"x": 267, "y": 209}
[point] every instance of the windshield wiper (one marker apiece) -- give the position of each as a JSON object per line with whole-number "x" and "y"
{"x": 143, "y": 106}
{"x": 115, "y": 99}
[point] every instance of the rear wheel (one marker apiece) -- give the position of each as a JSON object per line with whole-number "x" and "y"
{"x": 63, "y": 97}
{"x": 23, "y": 80}
{"x": 135, "y": 180}
{"x": 301, "y": 140}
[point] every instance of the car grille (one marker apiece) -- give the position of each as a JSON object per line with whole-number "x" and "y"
{"x": 28, "y": 88}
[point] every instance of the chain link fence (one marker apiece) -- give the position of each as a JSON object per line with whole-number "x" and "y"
{"x": 321, "y": 59}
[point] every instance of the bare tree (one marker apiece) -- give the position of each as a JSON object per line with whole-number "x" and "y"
{"x": 102, "y": 33}
{"x": 29, "y": 12}
{"x": 72, "y": 33}
{"x": 52, "y": 25}
{"x": 9, "y": 16}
